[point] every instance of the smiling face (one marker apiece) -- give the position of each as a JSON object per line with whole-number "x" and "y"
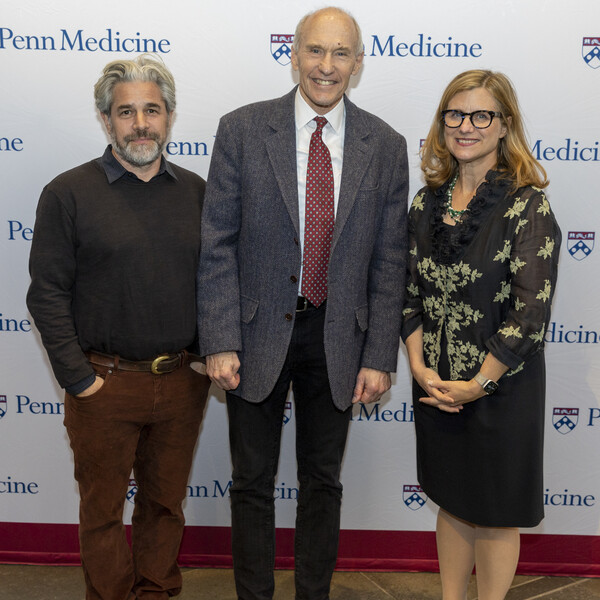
{"x": 326, "y": 58}
{"x": 138, "y": 124}
{"x": 469, "y": 145}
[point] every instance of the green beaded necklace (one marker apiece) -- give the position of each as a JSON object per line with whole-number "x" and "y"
{"x": 455, "y": 215}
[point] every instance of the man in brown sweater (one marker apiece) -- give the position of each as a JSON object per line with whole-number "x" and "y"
{"x": 113, "y": 265}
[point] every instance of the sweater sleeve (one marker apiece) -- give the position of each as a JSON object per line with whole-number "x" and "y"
{"x": 52, "y": 266}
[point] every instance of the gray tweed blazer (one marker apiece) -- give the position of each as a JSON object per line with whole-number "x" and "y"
{"x": 250, "y": 258}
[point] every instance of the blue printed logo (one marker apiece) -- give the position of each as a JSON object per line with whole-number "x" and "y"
{"x": 287, "y": 412}
{"x": 580, "y": 244}
{"x": 131, "y": 491}
{"x": 2, "y": 406}
{"x": 590, "y": 50}
{"x": 565, "y": 419}
{"x": 281, "y": 47}
{"x": 80, "y": 41}
{"x": 413, "y": 497}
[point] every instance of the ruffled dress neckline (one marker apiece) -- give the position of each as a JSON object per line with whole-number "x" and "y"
{"x": 450, "y": 241}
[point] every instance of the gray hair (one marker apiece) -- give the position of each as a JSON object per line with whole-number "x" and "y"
{"x": 358, "y": 50}
{"x": 143, "y": 68}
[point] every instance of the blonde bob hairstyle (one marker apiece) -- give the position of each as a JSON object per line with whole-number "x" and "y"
{"x": 515, "y": 160}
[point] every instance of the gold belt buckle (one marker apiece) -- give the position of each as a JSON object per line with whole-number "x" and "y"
{"x": 156, "y": 362}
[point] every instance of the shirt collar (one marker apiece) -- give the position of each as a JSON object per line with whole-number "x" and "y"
{"x": 115, "y": 170}
{"x": 305, "y": 114}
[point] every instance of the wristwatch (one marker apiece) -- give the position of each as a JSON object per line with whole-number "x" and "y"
{"x": 489, "y": 386}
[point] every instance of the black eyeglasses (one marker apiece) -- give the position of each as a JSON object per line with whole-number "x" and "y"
{"x": 481, "y": 119}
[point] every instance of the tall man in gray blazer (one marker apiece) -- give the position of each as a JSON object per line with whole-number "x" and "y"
{"x": 268, "y": 321}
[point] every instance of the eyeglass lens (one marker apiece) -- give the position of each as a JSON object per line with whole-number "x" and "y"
{"x": 480, "y": 118}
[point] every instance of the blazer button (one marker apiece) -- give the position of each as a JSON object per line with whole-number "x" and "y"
{"x": 288, "y": 317}
{"x": 294, "y": 279}
{"x": 296, "y": 241}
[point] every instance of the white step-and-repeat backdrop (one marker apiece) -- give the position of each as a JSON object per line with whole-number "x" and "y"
{"x": 228, "y": 53}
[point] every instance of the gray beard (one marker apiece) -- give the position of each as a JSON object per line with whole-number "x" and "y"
{"x": 139, "y": 156}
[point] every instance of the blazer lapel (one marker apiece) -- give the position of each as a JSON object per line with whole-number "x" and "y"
{"x": 357, "y": 156}
{"x": 281, "y": 148}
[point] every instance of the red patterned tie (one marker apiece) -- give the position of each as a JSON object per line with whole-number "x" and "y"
{"x": 319, "y": 218}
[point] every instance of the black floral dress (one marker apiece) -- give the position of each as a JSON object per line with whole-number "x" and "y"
{"x": 484, "y": 285}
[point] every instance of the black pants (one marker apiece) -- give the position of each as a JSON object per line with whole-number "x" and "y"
{"x": 255, "y": 434}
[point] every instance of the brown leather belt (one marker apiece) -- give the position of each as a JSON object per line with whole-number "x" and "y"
{"x": 165, "y": 363}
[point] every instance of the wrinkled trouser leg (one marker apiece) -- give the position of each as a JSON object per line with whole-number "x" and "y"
{"x": 255, "y": 432}
{"x": 149, "y": 423}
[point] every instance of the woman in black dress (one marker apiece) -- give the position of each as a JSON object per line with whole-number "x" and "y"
{"x": 484, "y": 248}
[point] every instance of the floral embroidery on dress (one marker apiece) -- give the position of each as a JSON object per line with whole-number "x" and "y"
{"x": 430, "y": 272}
{"x": 516, "y": 209}
{"x": 545, "y": 293}
{"x": 546, "y": 250}
{"x": 520, "y": 225}
{"x": 511, "y": 331}
{"x": 461, "y": 279}
{"x": 453, "y": 316}
{"x": 539, "y": 335}
{"x": 515, "y": 371}
{"x": 463, "y": 356}
{"x": 432, "y": 348}
{"x": 417, "y": 203}
{"x": 516, "y": 264}
{"x": 544, "y": 207}
{"x": 504, "y": 254}
{"x": 413, "y": 289}
{"x": 519, "y": 304}
{"x": 504, "y": 293}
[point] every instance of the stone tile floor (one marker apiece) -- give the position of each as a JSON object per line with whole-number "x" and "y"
{"x": 20, "y": 582}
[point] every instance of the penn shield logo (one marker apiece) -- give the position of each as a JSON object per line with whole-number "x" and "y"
{"x": 281, "y": 47}
{"x": 413, "y": 496}
{"x": 287, "y": 412}
{"x": 590, "y": 50}
{"x": 580, "y": 244}
{"x": 565, "y": 419}
{"x": 131, "y": 491}
{"x": 2, "y": 406}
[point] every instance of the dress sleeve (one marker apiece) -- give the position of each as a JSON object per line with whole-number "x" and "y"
{"x": 533, "y": 253}
{"x": 412, "y": 314}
